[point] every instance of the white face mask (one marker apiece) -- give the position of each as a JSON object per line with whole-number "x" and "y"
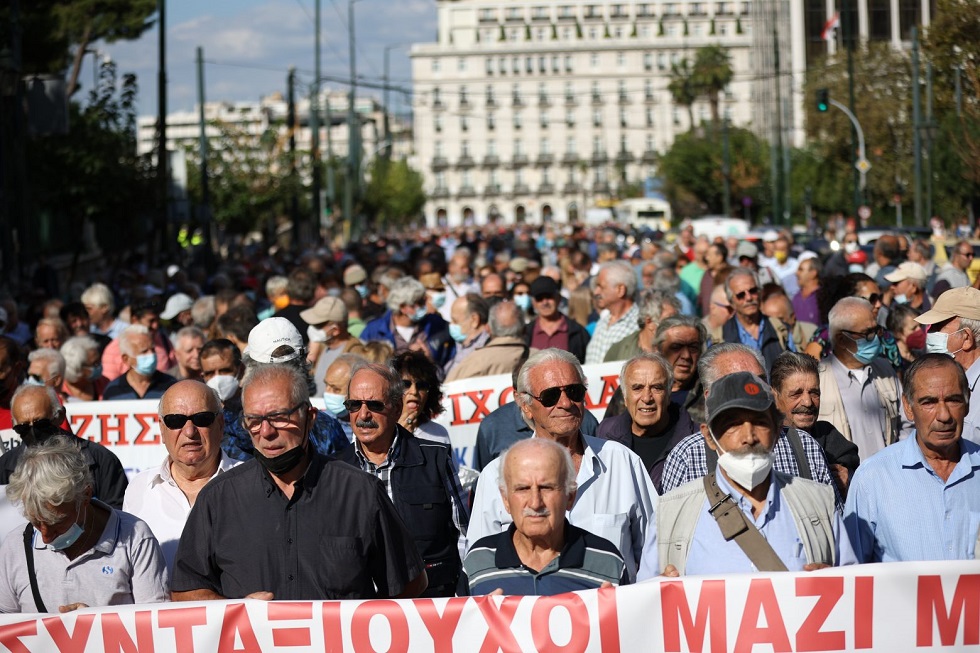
{"x": 748, "y": 470}
{"x": 938, "y": 343}
{"x": 315, "y": 334}
{"x": 225, "y": 384}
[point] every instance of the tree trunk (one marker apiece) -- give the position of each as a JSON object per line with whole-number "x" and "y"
{"x": 76, "y": 66}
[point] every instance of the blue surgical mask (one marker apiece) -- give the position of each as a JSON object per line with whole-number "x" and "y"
{"x": 523, "y": 301}
{"x": 439, "y": 299}
{"x": 334, "y": 404}
{"x": 419, "y": 314}
{"x": 867, "y": 350}
{"x": 362, "y": 290}
{"x": 937, "y": 342}
{"x": 456, "y": 333}
{"x": 96, "y": 372}
{"x": 67, "y": 538}
{"x": 146, "y": 363}
{"x": 901, "y": 299}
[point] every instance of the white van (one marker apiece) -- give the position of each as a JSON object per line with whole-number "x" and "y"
{"x": 645, "y": 213}
{"x": 714, "y": 226}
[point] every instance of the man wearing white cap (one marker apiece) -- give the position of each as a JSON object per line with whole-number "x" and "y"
{"x": 909, "y": 286}
{"x": 178, "y": 308}
{"x": 328, "y": 335}
{"x": 954, "y": 330}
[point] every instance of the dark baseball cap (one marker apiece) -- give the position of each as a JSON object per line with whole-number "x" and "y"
{"x": 738, "y": 390}
{"x": 544, "y": 285}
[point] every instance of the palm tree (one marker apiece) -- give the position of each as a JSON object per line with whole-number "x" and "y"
{"x": 682, "y": 88}
{"x": 712, "y": 72}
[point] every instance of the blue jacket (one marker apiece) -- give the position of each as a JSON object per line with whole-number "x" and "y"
{"x": 436, "y": 331}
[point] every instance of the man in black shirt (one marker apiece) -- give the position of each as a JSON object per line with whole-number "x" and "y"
{"x": 292, "y": 524}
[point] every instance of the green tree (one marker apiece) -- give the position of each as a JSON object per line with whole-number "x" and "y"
{"x": 394, "y": 195}
{"x": 711, "y": 74}
{"x": 682, "y": 88}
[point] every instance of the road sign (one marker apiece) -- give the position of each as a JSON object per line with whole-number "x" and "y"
{"x": 864, "y": 212}
{"x": 863, "y": 165}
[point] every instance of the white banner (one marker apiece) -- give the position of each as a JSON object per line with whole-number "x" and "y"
{"x": 131, "y": 429}
{"x": 887, "y": 608}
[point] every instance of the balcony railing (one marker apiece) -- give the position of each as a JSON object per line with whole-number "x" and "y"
{"x": 440, "y": 163}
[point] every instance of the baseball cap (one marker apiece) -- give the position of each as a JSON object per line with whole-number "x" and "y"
{"x": 544, "y": 285}
{"x": 432, "y": 281}
{"x": 956, "y": 302}
{"x": 738, "y": 390}
{"x": 177, "y": 304}
{"x": 268, "y": 336}
{"x": 746, "y": 249}
{"x": 328, "y": 309}
{"x": 354, "y": 275}
{"x": 907, "y": 270}
{"x": 518, "y": 264}
{"x": 770, "y": 236}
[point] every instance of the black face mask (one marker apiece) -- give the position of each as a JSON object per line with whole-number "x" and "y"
{"x": 284, "y": 462}
{"x": 37, "y": 432}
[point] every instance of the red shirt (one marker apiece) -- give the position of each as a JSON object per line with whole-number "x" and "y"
{"x": 541, "y": 340}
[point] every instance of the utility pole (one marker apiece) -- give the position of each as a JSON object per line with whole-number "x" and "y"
{"x": 931, "y": 131}
{"x": 352, "y": 129}
{"x": 849, "y": 38}
{"x": 916, "y": 129}
{"x": 777, "y": 148}
{"x": 163, "y": 232}
{"x": 291, "y": 126}
{"x": 788, "y": 200}
{"x": 331, "y": 167}
{"x": 726, "y": 167}
{"x": 203, "y": 153}
{"x": 387, "y": 119}
{"x": 315, "y": 130}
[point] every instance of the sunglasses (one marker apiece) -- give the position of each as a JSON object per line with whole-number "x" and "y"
{"x": 575, "y": 392}
{"x": 966, "y": 254}
{"x": 421, "y": 386}
{"x": 176, "y": 421}
{"x": 25, "y": 428}
{"x": 745, "y": 293}
{"x": 373, "y": 405}
{"x": 873, "y": 298}
{"x": 544, "y": 298}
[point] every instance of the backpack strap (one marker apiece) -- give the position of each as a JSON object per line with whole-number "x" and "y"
{"x": 796, "y": 442}
{"x": 29, "y": 552}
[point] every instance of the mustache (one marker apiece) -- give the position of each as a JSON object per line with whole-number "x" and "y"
{"x": 805, "y": 410}
{"x": 757, "y": 448}
{"x": 530, "y": 512}
{"x": 366, "y": 424}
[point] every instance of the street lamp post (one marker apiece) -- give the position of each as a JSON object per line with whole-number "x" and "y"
{"x": 353, "y": 126}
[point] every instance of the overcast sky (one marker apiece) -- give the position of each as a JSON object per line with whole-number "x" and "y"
{"x": 249, "y": 46}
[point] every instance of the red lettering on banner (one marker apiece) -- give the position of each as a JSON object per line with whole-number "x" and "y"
{"x": 505, "y": 395}
{"x": 105, "y": 429}
{"x": 479, "y": 399}
{"x": 79, "y": 424}
{"x": 499, "y": 637}
{"x": 608, "y": 621}
{"x": 541, "y": 623}
{"x": 77, "y": 640}
{"x": 441, "y": 627}
{"x": 146, "y": 421}
{"x": 609, "y": 385}
{"x": 333, "y": 634}
{"x": 761, "y": 599}
{"x": 931, "y": 602}
{"x": 295, "y": 636}
{"x": 457, "y": 410}
{"x": 236, "y": 622}
{"x": 10, "y": 635}
{"x": 675, "y": 613}
{"x": 809, "y": 637}
{"x": 864, "y": 609}
{"x": 115, "y": 637}
{"x": 393, "y": 613}
{"x": 183, "y": 620}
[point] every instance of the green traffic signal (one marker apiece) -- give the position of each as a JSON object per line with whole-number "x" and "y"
{"x": 823, "y": 100}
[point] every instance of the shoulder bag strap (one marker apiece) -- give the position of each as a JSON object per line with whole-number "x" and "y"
{"x": 734, "y": 526}
{"x": 29, "y": 552}
{"x": 796, "y": 442}
{"x": 710, "y": 459}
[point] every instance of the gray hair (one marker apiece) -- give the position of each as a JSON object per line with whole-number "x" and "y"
{"x": 389, "y": 278}
{"x": 675, "y": 321}
{"x": 125, "y": 344}
{"x": 98, "y": 294}
{"x": 203, "y": 312}
{"x": 476, "y": 304}
{"x": 842, "y": 314}
{"x": 53, "y": 473}
{"x": 666, "y": 279}
{"x": 75, "y": 352}
{"x": 652, "y": 303}
{"x": 566, "y": 476}
{"x": 707, "y": 371}
{"x": 56, "y": 411}
{"x": 396, "y": 388}
{"x": 652, "y": 357}
{"x": 215, "y": 405}
{"x": 407, "y": 290}
{"x": 620, "y": 273}
{"x": 665, "y": 259}
{"x": 543, "y": 357}
{"x": 789, "y": 363}
{"x": 506, "y": 320}
{"x": 736, "y": 273}
{"x": 55, "y": 323}
{"x": 973, "y": 326}
{"x": 54, "y": 359}
{"x": 299, "y": 390}
{"x": 932, "y": 361}
{"x": 275, "y": 285}
{"x": 190, "y": 332}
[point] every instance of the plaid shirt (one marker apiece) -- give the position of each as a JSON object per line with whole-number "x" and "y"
{"x": 687, "y": 462}
{"x": 383, "y": 471}
{"x": 607, "y": 335}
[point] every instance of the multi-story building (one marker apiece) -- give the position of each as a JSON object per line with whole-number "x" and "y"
{"x": 537, "y": 109}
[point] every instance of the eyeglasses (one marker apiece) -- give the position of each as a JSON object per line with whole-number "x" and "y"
{"x": 26, "y": 427}
{"x": 873, "y": 298}
{"x": 966, "y": 254}
{"x": 865, "y": 335}
{"x": 278, "y": 420}
{"x": 754, "y": 290}
{"x": 544, "y": 298}
{"x": 202, "y": 420}
{"x": 727, "y": 307}
{"x": 373, "y": 405}
{"x": 575, "y": 392}
{"x": 421, "y": 386}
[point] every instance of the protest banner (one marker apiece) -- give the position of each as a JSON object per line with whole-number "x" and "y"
{"x": 879, "y": 608}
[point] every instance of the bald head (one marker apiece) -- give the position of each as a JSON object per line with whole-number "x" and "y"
{"x": 178, "y": 393}
{"x": 506, "y": 319}
{"x": 32, "y": 402}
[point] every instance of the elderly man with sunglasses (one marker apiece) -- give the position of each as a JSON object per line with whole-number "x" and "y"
{"x": 418, "y": 474}
{"x": 615, "y": 498}
{"x": 749, "y": 326}
{"x": 292, "y": 524}
{"x": 191, "y": 424}
{"x": 860, "y": 393}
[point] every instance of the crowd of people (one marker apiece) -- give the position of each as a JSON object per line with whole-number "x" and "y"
{"x": 778, "y": 408}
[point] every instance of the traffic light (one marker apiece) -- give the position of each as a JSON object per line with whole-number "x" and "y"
{"x": 823, "y": 100}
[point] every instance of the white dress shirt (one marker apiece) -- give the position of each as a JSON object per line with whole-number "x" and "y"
{"x": 154, "y": 497}
{"x": 615, "y": 500}
{"x": 971, "y": 424}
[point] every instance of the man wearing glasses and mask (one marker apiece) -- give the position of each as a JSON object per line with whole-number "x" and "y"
{"x": 615, "y": 498}
{"x": 292, "y": 524}
{"x": 859, "y": 390}
{"x": 191, "y": 425}
{"x": 37, "y": 415}
{"x": 418, "y": 474}
{"x": 749, "y": 326}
